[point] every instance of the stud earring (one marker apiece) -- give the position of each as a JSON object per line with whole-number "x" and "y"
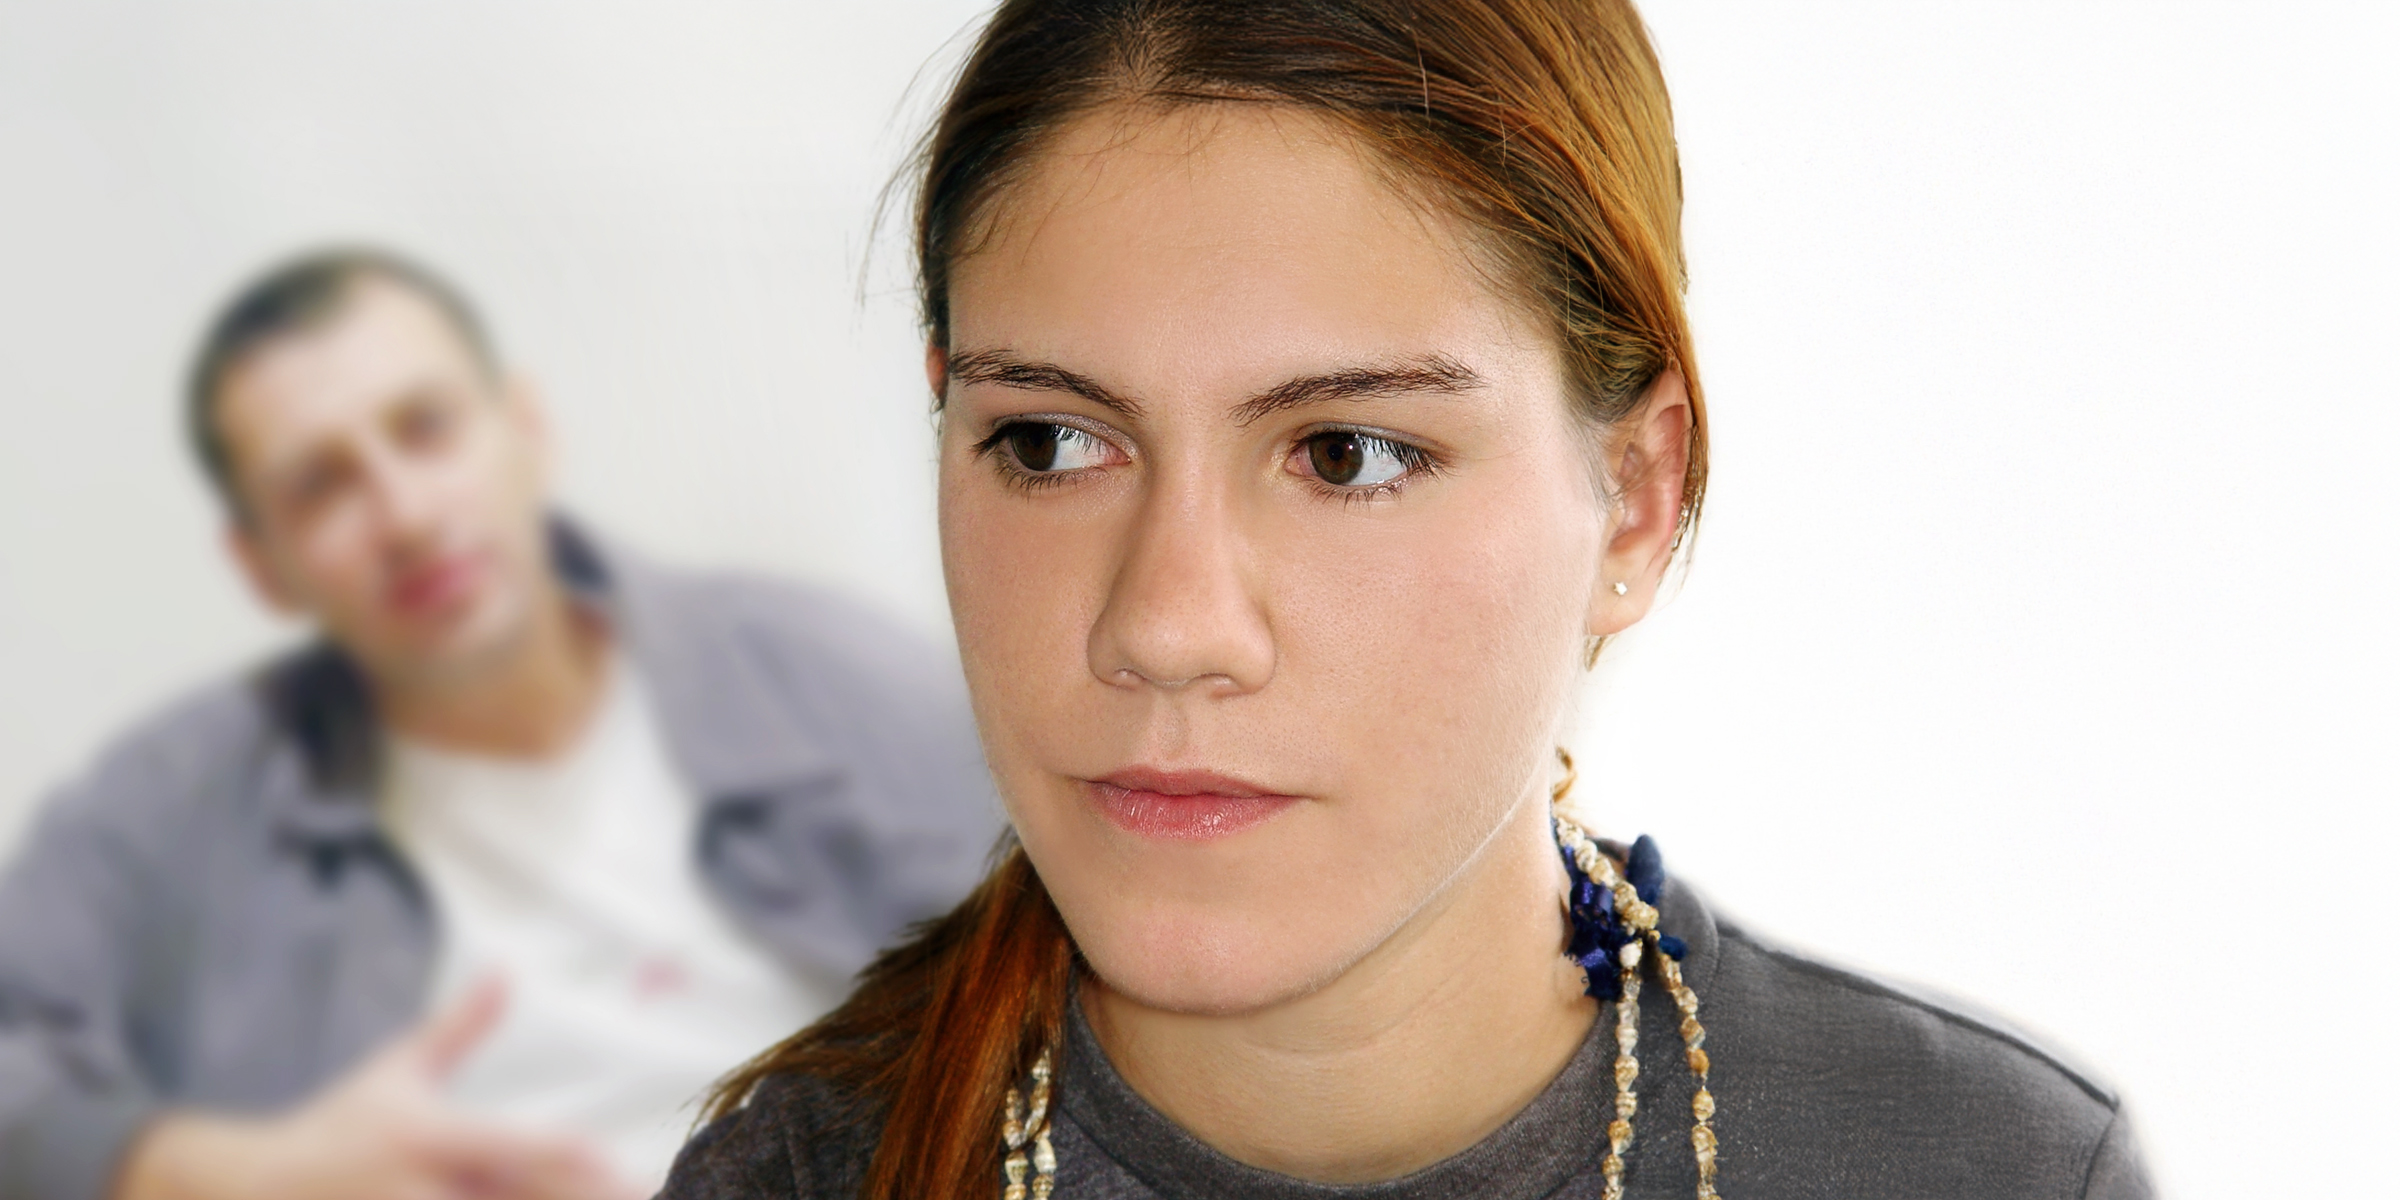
{"x": 1618, "y": 587}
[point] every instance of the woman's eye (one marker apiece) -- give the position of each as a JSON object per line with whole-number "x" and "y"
{"x": 1046, "y": 449}
{"x": 1348, "y": 459}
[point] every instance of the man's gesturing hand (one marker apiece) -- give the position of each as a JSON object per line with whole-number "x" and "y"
{"x": 381, "y": 1132}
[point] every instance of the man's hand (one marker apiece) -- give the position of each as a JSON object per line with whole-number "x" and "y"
{"x": 379, "y": 1133}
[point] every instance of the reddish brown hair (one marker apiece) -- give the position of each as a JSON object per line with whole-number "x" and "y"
{"x": 1542, "y": 124}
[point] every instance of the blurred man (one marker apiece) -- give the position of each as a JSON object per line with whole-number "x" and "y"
{"x": 476, "y": 894}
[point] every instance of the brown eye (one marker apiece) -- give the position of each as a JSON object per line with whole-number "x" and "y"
{"x": 1336, "y": 456}
{"x": 1045, "y": 448}
{"x": 1347, "y": 459}
{"x": 1034, "y": 446}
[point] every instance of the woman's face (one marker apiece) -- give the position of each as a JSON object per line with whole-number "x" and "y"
{"x": 1271, "y": 540}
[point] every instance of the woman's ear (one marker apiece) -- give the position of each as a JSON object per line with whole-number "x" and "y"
{"x": 937, "y": 372}
{"x": 1648, "y": 473}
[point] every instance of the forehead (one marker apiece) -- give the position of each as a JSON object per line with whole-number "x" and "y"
{"x": 1223, "y": 246}
{"x": 383, "y": 342}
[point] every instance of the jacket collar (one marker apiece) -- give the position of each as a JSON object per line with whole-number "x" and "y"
{"x": 728, "y": 714}
{"x": 729, "y": 727}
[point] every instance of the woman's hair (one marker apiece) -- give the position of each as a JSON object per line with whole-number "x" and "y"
{"x": 1542, "y": 125}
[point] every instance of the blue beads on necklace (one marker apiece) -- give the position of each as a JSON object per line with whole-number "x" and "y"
{"x": 1645, "y": 870}
{"x": 1597, "y": 933}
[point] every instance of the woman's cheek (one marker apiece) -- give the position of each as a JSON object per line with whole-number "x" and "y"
{"x": 987, "y": 603}
{"x": 1438, "y": 651}
{"x": 1021, "y": 578}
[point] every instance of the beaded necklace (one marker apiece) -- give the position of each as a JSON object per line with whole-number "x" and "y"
{"x": 1613, "y": 917}
{"x": 1019, "y": 1126}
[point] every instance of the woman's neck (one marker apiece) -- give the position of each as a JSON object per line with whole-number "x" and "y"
{"x": 1415, "y": 1053}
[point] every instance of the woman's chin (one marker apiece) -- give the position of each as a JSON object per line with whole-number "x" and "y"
{"x": 1209, "y": 969}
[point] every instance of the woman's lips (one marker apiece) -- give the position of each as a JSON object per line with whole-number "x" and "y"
{"x": 1183, "y": 806}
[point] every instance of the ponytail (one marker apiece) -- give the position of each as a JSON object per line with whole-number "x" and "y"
{"x": 938, "y": 1030}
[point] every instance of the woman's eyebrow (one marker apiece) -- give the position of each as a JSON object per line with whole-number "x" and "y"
{"x": 1435, "y": 373}
{"x": 1007, "y": 370}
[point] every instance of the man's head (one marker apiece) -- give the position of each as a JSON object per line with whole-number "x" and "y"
{"x": 380, "y": 473}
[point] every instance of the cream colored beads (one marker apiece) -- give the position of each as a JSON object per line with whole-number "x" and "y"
{"x": 1629, "y": 1069}
{"x": 1026, "y": 1125}
{"x": 1641, "y": 920}
{"x": 1704, "y": 1105}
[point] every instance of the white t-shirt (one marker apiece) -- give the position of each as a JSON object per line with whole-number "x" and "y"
{"x": 576, "y": 879}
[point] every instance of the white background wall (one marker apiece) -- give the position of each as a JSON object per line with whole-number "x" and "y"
{"x": 2039, "y": 643}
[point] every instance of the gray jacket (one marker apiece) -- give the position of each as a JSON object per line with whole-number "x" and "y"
{"x": 213, "y": 917}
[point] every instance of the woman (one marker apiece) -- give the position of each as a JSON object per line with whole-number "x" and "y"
{"x": 1316, "y": 396}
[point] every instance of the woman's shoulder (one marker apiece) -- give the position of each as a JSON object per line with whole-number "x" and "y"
{"x": 799, "y": 1137}
{"x": 1836, "y": 1066}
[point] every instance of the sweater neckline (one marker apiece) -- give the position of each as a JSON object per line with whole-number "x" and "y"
{"x": 1531, "y": 1155}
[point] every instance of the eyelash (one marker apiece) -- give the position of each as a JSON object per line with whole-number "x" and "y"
{"x": 1016, "y": 476}
{"x": 1419, "y": 462}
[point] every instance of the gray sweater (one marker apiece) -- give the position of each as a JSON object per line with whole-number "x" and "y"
{"x": 1828, "y": 1084}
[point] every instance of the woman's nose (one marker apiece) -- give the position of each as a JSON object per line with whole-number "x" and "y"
{"x": 1187, "y": 606}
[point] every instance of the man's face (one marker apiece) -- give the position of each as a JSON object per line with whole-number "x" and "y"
{"x": 393, "y": 488}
